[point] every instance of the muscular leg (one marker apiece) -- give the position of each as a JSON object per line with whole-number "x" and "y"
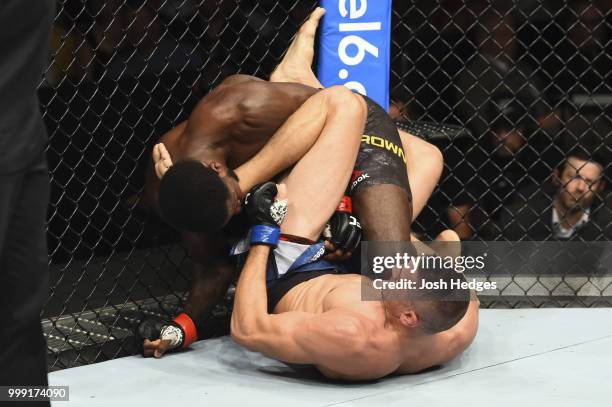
{"x": 296, "y": 65}
{"x": 318, "y": 181}
{"x": 424, "y": 160}
{"x": 385, "y": 213}
{"x": 425, "y": 165}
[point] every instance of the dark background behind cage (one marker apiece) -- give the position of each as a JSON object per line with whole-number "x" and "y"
{"x": 123, "y": 72}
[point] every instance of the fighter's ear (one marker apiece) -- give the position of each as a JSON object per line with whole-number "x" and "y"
{"x": 409, "y": 318}
{"x": 216, "y": 166}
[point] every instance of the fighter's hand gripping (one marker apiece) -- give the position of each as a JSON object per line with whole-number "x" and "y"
{"x": 265, "y": 214}
{"x": 345, "y": 232}
{"x": 342, "y": 233}
{"x": 161, "y": 336}
{"x": 161, "y": 160}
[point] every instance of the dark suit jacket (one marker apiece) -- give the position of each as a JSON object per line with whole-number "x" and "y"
{"x": 530, "y": 218}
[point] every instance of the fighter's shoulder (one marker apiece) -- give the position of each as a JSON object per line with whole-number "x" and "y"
{"x": 235, "y": 99}
{"x": 252, "y": 94}
{"x": 363, "y": 352}
{"x": 350, "y": 328}
{"x": 440, "y": 349}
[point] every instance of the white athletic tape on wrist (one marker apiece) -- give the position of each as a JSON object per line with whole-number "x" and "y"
{"x": 278, "y": 211}
{"x": 172, "y": 333}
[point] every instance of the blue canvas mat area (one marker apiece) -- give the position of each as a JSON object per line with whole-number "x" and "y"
{"x": 539, "y": 357}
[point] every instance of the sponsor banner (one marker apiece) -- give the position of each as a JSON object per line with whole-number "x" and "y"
{"x": 355, "y": 47}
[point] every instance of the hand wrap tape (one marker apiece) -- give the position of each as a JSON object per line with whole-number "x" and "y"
{"x": 264, "y": 234}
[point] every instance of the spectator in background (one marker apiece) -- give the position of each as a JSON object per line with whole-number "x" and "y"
{"x": 571, "y": 208}
{"x": 497, "y": 69}
{"x": 486, "y": 176}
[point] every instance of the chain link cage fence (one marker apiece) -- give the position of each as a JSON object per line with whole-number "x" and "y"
{"x": 529, "y": 81}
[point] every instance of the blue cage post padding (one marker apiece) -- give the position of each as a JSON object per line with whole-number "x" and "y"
{"x": 355, "y": 46}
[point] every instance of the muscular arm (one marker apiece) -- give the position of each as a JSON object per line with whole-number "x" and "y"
{"x": 212, "y": 275}
{"x": 248, "y": 111}
{"x": 260, "y": 108}
{"x": 257, "y": 108}
{"x": 335, "y": 341}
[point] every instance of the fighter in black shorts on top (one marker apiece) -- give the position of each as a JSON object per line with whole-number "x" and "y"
{"x": 381, "y": 158}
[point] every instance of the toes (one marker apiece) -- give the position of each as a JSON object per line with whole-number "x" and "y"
{"x": 317, "y": 14}
{"x": 310, "y": 26}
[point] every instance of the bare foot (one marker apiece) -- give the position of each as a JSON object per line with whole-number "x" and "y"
{"x": 296, "y": 65}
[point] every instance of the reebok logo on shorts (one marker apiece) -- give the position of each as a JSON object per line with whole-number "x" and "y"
{"x": 357, "y": 177}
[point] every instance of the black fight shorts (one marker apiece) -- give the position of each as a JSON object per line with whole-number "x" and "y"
{"x": 381, "y": 158}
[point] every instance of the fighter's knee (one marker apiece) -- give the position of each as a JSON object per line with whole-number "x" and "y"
{"x": 340, "y": 97}
{"x": 338, "y": 93}
{"x": 448, "y": 235}
{"x": 435, "y": 156}
{"x": 425, "y": 154}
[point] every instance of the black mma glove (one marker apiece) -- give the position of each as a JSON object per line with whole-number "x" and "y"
{"x": 265, "y": 215}
{"x": 150, "y": 328}
{"x": 345, "y": 231}
{"x": 181, "y": 332}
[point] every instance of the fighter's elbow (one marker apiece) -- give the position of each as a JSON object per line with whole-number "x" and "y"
{"x": 238, "y": 336}
{"x": 240, "y": 333}
{"x": 239, "y": 328}
{"x": 246, "y": 333}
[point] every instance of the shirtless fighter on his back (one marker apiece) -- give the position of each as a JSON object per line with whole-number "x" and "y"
{"x": 315, "y": 315}
{"x": 229, "y": 129}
